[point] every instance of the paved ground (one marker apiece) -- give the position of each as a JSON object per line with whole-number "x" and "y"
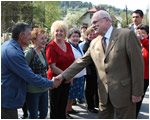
{"x": 144, "y": 112}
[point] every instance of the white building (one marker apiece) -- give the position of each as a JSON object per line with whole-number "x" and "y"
{"x": 85, "y": 19}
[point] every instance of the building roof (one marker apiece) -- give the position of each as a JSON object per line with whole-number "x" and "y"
{"x": 95, "y": 9}
{"x": 98, "y": 9}
{"x": 92, "y": 10}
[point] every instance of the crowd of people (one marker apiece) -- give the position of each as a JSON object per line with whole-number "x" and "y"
{"x": 106, "y": 66}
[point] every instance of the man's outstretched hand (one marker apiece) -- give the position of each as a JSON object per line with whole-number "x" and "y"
{"x": 59, "y": 77}
{"x": 56, "y": 83}
{"x": 57, "y": 80}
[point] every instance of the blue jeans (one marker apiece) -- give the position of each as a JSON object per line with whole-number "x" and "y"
{"x": 37, "y": 105}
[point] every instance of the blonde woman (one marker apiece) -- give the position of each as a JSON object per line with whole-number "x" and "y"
{"x": 59, "y": 56}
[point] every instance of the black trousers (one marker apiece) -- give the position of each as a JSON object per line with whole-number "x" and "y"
{"x": 58, "y": 101}
{"x": 91, "y": 93}
{"x": 138, "y": 105}
{"x": 7, "y": 113}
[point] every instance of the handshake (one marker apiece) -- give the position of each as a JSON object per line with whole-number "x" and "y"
{"x": 57, "y": 80}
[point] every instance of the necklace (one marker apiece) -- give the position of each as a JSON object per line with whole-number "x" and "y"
{"x": 62, "y": 46}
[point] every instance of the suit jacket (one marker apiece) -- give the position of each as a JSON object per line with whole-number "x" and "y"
{"x": 120, "y": 69}
{"x": 131, "y": 27}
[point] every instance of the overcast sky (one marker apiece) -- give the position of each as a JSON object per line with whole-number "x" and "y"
{"x": 131, "y": 4}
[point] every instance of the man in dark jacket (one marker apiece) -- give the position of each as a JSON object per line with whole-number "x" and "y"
{"x": 137, "y": 17}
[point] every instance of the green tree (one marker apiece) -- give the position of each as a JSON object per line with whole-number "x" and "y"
{"x": 124, "y": 20}
{"x": 36, "y": 13}
{"x": 52, "y": 13}
{"x": 72, "y": 19}
{"x": 14, "y": 11}
{"x": 146, "y": 17}
{"x": 45, "y": 13}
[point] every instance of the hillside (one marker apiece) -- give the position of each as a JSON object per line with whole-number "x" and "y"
{"x": 74, "y": 6}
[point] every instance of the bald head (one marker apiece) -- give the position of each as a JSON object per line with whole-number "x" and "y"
{"x": 102, "y": 14}
{"x": 101, "y": 22}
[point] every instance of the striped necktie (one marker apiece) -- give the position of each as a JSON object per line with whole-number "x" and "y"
{"x": 104, "y": 43}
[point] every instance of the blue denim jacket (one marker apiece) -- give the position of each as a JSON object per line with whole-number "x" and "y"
{"x": 15, "y": 72}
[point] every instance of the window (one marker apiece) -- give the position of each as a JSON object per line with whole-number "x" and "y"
{"x": 91, "y": 16}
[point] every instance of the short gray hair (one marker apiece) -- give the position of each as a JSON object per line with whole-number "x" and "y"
{"x": 103, "y": 14}
{"x": 72, "y": 31}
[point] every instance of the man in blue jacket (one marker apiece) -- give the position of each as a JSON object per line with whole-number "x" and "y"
{"x": 15, "y": 72}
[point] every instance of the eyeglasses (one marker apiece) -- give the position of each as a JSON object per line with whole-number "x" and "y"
{"x": 94, "y": 22}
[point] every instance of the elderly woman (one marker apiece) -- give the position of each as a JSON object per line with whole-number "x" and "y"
{"x": 77, "y": 89}
{"x": 60, "y": 56}
{"x": 37, "y": 97}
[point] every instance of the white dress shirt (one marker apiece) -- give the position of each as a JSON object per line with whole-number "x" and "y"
{"x": 108, "y": 34}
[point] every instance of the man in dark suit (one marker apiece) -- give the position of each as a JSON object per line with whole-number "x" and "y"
{"x": 117, "y": 56}
{"x": 137, "y": 17}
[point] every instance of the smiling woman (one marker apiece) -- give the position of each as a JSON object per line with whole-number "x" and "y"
{"x": 77, "y": 87}
{"x": 38, "y": 39}
{"x": 60, "y": 56}
{"x": 37, "y": 97}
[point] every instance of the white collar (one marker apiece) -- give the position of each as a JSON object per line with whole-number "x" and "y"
{"x": 134, "y": 28}
{"x": 108, "y": 33}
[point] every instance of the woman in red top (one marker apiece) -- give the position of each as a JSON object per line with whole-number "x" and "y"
{"x": 59, "y": 56}
{"x": 143, "y": 35}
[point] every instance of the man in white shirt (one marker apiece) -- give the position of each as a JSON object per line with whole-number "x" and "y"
{"x": 120, "y": 68}
{"x": 137, "y": 18}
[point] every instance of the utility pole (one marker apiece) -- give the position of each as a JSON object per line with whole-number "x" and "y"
{"x": 126, "y": 9}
